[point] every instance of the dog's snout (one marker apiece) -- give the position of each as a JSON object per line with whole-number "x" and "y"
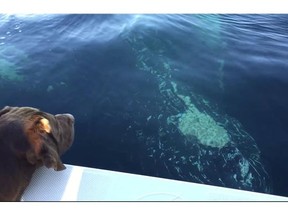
{"x": 70, "y": 116}
{"x": 66, "y": 115}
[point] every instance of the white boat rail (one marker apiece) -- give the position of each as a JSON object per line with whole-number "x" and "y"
{"x": 78, "y": 183}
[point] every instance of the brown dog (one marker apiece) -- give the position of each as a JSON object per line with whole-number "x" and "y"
{"x": 30, "y": 138}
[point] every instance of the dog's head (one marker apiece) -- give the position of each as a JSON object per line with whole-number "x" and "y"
{"x": 39, "y": 137}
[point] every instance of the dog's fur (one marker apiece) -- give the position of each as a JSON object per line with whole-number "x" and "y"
{"x": 30, "y": 138}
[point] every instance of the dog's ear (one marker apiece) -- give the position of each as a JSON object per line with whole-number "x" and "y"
{"x": 44, "y": 150}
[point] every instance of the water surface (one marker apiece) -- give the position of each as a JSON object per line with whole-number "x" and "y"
{"x": 198, "y": 98}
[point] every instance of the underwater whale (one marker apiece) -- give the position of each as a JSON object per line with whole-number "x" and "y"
{"x": 187, "y": 138}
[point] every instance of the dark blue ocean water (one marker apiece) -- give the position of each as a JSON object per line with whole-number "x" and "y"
{"x": 199, "y": 98}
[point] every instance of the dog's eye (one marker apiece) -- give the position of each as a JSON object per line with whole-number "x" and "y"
{"x": 45, "y": 125}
